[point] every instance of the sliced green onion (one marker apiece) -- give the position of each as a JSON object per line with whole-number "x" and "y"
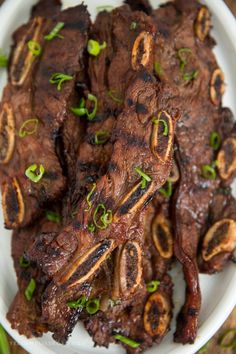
{"x": 59, "y": 79}
{"x": 89, "y": 196}
{"x": 24, "y": 263}
{"x": 165, "y": 124}
{"x": 167, "y": 190}
{"x": 101, "y": 137}
{"x": 93, "y": 306}
{"x": 182, "y": 57}
{"x": 94, "y": 48}
{"x": 52, "y": 216}
{"x": 3, "y": 60}
{"x": 55, "y": 32}
{"x": 80, "y": 303}
{"x": 35, "y": 48}
{"x": 107, "y": 8}
{"x": 228, "y": 339}
{"x": 209, "y": 172}
{"x": 158, "y": 68}
{"x": 145, "y": 177}
{"x": 91, "y": 227}
{"x": 4, "y": 344}
{"x": 34, "y": 175}
{"x": 114, "y": 95}
{"x": 29, "y": 291}
{"x": 130, "y": 342}
{"x": 79, "y": 111}
{"x": 152, "y": 286}
{"x": 215, "y": 141}
{"x": 134, "y": 26}
{"x": 29, "y": 127}
{"x": 105, "y": 218}
{"x": 190, "y": 76}
{"x": 183, "y": 62}
{"x": 92, "y": 98}
{"x": 82, "y": 110}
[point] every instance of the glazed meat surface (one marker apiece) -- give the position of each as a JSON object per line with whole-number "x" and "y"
{"x": 117, "y": 158}
{"x": 36, "y": 109}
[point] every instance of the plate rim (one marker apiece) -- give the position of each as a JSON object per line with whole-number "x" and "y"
{"x": 221, "y": 11}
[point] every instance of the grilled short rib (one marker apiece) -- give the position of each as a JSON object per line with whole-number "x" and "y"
{"x": 25, "y": 315}
{"x": 192, "y": 67}
{"x": 30, "y": 98}
{"x": 120, "y": 189}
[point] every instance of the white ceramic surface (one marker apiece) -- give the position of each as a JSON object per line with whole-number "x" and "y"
{"x": 218, "y": 291}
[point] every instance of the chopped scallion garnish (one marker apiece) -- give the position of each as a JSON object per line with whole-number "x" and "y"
{"x": 228, "y": 339}
{"x": 190, "y": 76}
{"x": 29, "y": 291}
{"x": 133, "y": 26}
{"x": 3, "y": 60}
{"x": 4, "y": 344}
{"x": 59, "y": 79}
{"x": 91, "y": 227}
{"x": 55, "y": 32}
{"x": 130, "y": 342}
{"x": 209, "y": 172}
{"x": 35, "y": 48}
{"x": 102, "y": 217}
{"x": 152, "y": 286}
{"x": 145, "y": 177}
{"x": 182, "y": 56}
{"x": 158, "y": 68}
{"x": 215, "y": 141}
{"x": 94, "y": 48}
{"x": 167, "y": 190}
{"x": 80, "y": 303}
{"x": 101, "y": 137}
{"x": 165, "y": 125}
{"x": 52, "y": 216}
{"x": 115, "y": 96}
{"x": 93, "y": 306}
{"x": 82, "y": 110}
{"x": 34, "y": 174}
{"x": 24, "y": 263}
{"x": 89, "y": 196}
{"x": 29, "y": 127}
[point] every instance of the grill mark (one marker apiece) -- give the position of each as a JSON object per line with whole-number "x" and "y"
{"x": 134, "y": 198}
{"x": 131, "y": 139}
{"x": 141, "y": 108}
{"x": 90, "y": 262}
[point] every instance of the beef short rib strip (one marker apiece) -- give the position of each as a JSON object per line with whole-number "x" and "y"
{"x": 121, "y": 18}
{"x": 193, "y": 75}
{"x": 36, "y": 98}
{"x": 25, "y": 315}
{"x": 141, "y": 317}
{"x": 125, "y": 169}
{"x": 108, "y": 81}
{"x": 219, "y": 234}
{"x": 81, "y": 234}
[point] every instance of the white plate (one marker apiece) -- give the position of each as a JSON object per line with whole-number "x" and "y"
{"x": 218, "y": 291}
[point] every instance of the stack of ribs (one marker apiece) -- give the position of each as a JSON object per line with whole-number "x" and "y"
{"x": 115, "y": 172}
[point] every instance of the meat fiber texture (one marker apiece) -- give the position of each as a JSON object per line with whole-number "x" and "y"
{"x": 139, "y": 107}
{"x": 76, "y": 260}
{"x": 30, "y": 95}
